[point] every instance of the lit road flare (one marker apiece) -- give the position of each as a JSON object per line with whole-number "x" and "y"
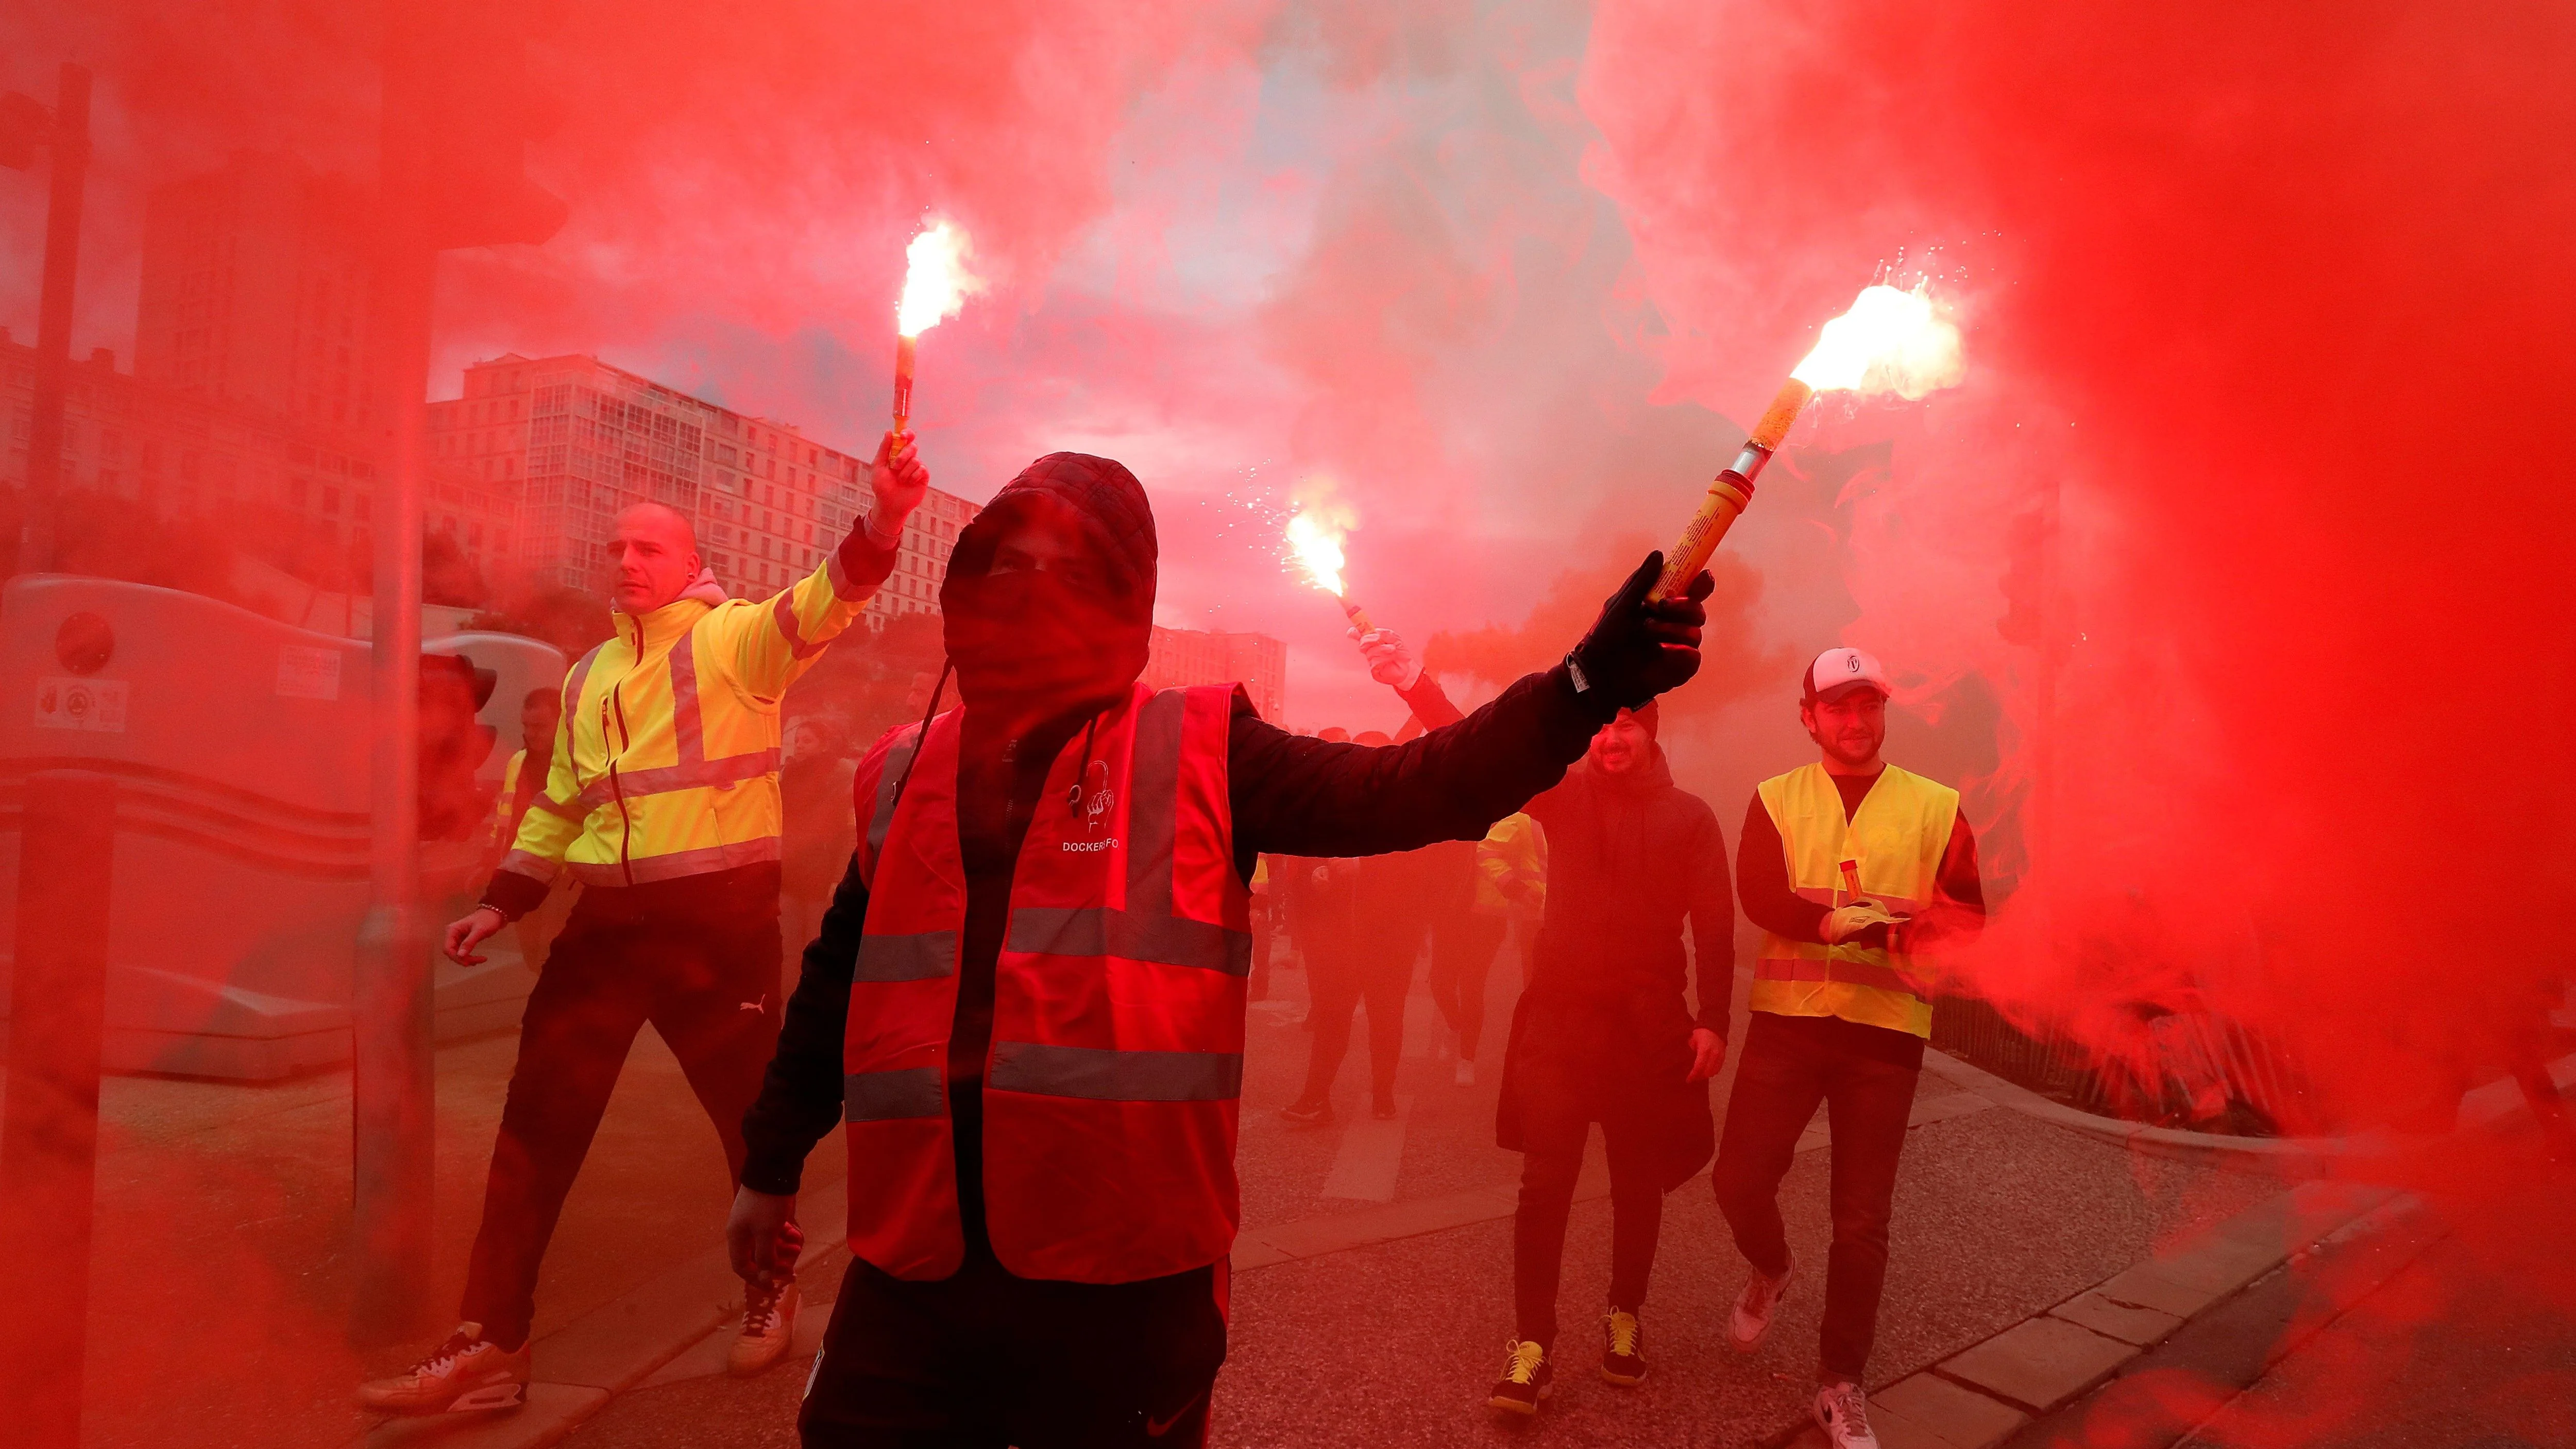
{"x": 936, "y": 284}
{"x": 1890, "y": 342}
{"x": 1315, "y": 534}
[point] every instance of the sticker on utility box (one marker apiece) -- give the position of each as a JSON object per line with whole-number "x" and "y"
{"x": 64, "y": 703}
{"x": 304, "y": 672}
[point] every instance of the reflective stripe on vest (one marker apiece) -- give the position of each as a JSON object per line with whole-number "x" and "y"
{"x": 1895, "y": 842}
{"x": 692, "y": 770}
{"x": 1115, "y": 1072}
{"x": 893, "y": 1096}
{"x": 1111, "y": 1076}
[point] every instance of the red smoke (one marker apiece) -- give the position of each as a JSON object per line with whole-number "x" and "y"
{"x": 2269, "y": 301}
{"x": 2258, "y": 294}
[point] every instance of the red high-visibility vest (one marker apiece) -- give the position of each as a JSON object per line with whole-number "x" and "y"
{"x": 1112, "y": 1084}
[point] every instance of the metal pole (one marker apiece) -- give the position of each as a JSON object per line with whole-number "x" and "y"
{"x": 70, "y": 145}
{"x": 49, "y": 1135}
{"x": 393, "y": 1067}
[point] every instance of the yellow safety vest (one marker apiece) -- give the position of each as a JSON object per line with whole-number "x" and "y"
{"x": 1515, "y": 850}
{"x": 666, "y": 763}
{"x": 502, "y": 827}
{"x": 1895, "y": 842}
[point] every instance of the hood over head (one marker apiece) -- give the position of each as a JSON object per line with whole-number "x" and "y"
{"x": 1039, "y": 639}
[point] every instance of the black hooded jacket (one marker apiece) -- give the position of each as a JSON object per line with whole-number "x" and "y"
{"x": 1290, "y": 795}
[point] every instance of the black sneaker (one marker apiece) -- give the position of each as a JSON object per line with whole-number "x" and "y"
{"x": 1623, "y": 1361}
{"x": 1527, "y": 1375}
{"x": 1307, "y": 1113}
{"x": 1383, "y": 1109}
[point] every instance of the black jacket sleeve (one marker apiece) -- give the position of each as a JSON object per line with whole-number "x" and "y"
{"x": 1429, "y": 702}
{"x": 800, "y": 1097}
{"x": 1712, "y": 925}
{"x": 513, "y": 894}
{"x": 1762, "y": 880}
{"x": 1301, "y": 796}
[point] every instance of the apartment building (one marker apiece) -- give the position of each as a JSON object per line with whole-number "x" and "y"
{"x": 1258, "y": 662}
{"x": 579, "y": 440}
{"x": 181, "y": 452}
{"x": 255, "y": 290}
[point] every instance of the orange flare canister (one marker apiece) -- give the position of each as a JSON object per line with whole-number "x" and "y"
{"x": 903, "y": 348}
{"x": 1358, "y": 616}
{"x": 1729, "y": 493}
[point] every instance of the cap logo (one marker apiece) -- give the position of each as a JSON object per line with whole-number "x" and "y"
{"x": 1852, "y": 662}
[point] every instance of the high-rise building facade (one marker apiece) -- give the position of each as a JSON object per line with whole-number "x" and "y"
{"x": 580, "y": 440}
{"x": 255, "y": 290}
{"x": 1204, "y": 656}
{"x": 267, "y": 479}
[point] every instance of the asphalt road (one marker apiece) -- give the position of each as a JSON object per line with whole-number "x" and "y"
{"x": 1998, "y": 1216}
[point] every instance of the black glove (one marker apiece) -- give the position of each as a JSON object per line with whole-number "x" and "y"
{"x": 1638, "y": 649}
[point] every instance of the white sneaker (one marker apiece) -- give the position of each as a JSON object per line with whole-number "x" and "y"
{"x": 464, "y": 1374}
{"x": 1843, "y": 1413}
{"x": 1755, "y": 1307}
{"x": 1466, "y": 1072}
{"x": 768, "y": 1327}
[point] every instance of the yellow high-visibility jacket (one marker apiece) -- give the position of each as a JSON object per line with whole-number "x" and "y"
{"x": 1514, "y": 851}
{"x": 501, "y": 832}
{"x": 666, "y": 763}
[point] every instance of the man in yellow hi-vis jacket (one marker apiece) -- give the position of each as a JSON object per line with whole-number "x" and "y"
{"x": 1852, "y": 868}
{"x": 662, "y": 800}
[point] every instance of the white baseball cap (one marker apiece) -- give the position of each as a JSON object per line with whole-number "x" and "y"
{"x": 1838, "y": 672}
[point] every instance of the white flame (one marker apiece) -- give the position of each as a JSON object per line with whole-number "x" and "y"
{"x": 1890, "y": 341}
{"x": 1315, "y": 539}
{"x": 936, "y": 282}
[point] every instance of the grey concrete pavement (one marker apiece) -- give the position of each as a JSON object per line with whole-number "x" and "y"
{"x": 1365, "y": 1322}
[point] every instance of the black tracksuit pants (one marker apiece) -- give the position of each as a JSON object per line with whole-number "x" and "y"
{"x": 1342, "y": 976}
{"x": 982, "y": 1359}
{"x": 699, "y": 959}
{"x": 1463, "y": 946}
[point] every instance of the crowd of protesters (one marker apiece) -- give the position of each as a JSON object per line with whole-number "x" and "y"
{"x": 1030, "y": 936}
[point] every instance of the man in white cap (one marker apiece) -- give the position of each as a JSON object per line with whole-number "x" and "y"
{"x": 1852, "y": 868}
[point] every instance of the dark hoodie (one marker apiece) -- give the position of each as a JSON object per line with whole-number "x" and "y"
{"x": 1289, "y": 794}
{"x": 1629, "y": 858}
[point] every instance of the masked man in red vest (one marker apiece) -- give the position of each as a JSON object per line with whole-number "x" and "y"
{"x": 1026, "y": 1002}
{"x": 1852, "y": 868}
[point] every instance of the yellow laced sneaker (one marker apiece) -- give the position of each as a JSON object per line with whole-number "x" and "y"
{"x": 1623, "y": 1362}
{"x": 1527, "y": 1376}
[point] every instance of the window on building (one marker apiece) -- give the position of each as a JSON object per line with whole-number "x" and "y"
{"x": 330, "y": 500}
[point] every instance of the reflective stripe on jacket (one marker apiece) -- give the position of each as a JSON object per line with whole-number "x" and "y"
{"x": 666, "y": 763}
{"x": 1895, "y": 841}
{"x": 1111, "y": 1089}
